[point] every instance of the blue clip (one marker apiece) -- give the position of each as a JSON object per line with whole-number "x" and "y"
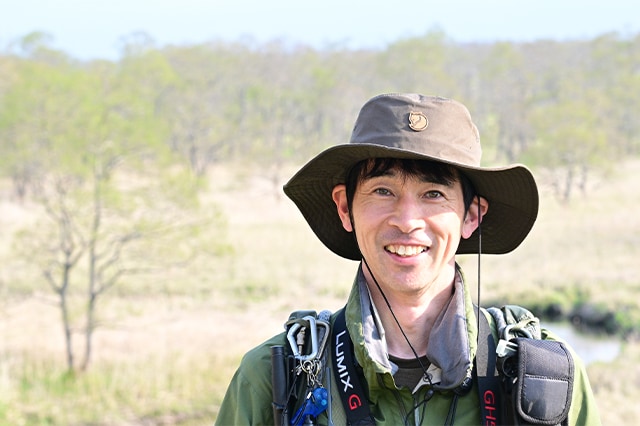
{"x": 316, "y": 402}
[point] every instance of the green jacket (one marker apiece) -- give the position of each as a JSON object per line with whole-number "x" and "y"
{"x": 248, "y": 398}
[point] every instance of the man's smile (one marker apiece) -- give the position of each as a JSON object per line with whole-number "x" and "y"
{"x": 405, "y": 251}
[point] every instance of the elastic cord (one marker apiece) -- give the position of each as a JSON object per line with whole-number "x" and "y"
{"x": 406, "y": 338}
{"x": 451, "y": 415}
{"x": 479, "y": 256}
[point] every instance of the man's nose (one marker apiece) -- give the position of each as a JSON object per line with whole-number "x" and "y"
{"x": 408, "y": 215}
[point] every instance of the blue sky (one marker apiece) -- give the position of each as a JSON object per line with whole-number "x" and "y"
{"x": 88, "y": 29}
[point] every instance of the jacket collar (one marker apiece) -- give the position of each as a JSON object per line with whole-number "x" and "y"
{"x": 455, "y": 332}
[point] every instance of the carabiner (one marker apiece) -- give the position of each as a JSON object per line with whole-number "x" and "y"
{"x": 314, "y": 339}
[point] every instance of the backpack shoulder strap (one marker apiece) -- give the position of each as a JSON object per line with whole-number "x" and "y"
{"x": 531, "y": 378}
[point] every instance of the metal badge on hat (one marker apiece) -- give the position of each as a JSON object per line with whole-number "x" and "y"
{"x": 418, "y": 121}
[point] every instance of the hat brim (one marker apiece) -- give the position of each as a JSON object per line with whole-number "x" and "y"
{"x": 511, "y": 192}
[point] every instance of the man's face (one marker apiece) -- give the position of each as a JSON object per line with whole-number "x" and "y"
{"x": 408, "y": 228}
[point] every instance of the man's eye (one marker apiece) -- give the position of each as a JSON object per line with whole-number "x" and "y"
{"x": 433, "y": 194}
{"x": 382, "y": 191}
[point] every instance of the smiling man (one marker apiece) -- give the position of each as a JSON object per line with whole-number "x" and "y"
{"x": 408, "y": 218}
{"x": 403, "y": 198}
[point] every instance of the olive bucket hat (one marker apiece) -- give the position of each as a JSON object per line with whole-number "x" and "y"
{"x": 417, "y": 127}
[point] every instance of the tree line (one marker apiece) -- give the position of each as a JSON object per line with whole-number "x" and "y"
{"x": 566, "y": 106}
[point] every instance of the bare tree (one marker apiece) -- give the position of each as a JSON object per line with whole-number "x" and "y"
{"x": 65, "y": 250}
{"x": 108, "y": 186}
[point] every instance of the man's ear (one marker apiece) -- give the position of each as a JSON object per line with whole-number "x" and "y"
{"x": 472, "y": 220}
{"x": 339, "y": 195}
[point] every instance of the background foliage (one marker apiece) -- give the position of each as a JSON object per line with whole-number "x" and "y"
{"x": 564, "y": 106}
{"x": 145, "y": 246}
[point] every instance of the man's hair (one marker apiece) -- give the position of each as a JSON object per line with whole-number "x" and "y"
{"x": 430, "y": 171}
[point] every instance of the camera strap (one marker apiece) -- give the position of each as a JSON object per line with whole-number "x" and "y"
{"x": 350, "y": 389}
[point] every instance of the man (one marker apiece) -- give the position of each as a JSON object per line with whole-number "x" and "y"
{"x": 403, "y": 198}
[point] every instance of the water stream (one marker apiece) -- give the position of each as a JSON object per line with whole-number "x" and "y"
{"x": 590, "y": 347}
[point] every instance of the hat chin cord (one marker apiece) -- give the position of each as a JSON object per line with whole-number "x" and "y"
{"x": 479, "y": 256}
{"x": 406, "y": 338}
{"x": 430, "y": 392}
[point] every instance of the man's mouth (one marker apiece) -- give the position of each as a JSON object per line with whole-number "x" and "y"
{"x": 405, "y": 251}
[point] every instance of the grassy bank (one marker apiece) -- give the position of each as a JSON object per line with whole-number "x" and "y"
{"x": 168, "y": 345}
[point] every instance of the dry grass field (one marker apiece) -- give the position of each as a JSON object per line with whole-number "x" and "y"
{"x": 168, "y": 347}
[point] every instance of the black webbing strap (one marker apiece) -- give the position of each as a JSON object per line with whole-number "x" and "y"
{"x": 489, "y": 382}
{"x": 354, "y": 400}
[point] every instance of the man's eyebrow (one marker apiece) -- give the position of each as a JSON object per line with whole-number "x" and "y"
{"x": 424, "y": 177}
{"x": 439, "y": 180}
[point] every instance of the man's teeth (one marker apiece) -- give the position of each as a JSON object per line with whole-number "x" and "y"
{"x": 405, "y": 250}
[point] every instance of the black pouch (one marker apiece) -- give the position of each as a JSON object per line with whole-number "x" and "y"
{"x": 543, "y": 389}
